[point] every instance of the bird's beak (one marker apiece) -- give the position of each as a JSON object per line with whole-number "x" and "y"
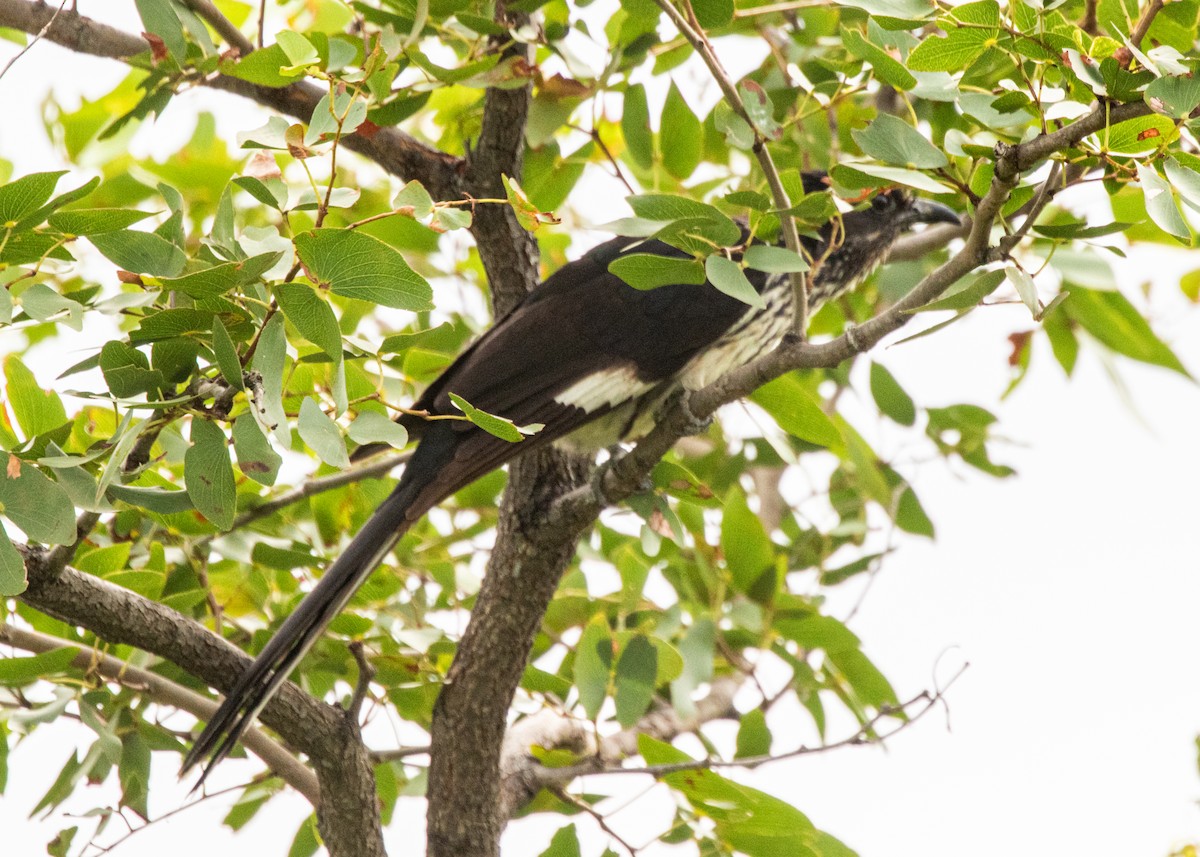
{"x": 927, "y": 211}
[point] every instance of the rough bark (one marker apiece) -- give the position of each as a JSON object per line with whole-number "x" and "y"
{"x": 347, "y": 813}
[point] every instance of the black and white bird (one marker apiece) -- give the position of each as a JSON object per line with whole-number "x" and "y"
{"x": 591, "y": 359}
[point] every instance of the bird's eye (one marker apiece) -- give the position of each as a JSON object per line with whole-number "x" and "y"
{"x": 884, "y": 201}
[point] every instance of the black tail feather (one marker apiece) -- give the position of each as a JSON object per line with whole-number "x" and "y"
{"x": 304, "y": 627}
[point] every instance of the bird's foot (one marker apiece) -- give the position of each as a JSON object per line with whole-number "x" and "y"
{"x": 600, "y": 473}
{"x": 853, "y": 338}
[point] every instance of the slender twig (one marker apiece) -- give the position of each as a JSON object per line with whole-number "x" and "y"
{"x": 221, "y": 24}
{"x": 104, "y": 849}
{"x": 1143, "y": 25}
{"x": 866, "y": 734}
{"x": 166, "y": 692}
{"x": 787, "y": 223}
{"x": 262, "y": 21}
{"x": 362, "y": 688}
{"x": 397, "y": 754}
{"x": 598, "y": 817}
{"x": 37, "y": 37}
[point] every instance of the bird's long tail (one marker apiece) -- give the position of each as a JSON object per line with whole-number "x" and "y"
{"x": 410, "y": 499}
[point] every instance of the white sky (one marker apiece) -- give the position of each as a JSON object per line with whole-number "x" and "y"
{"x": 1072, "y": 590}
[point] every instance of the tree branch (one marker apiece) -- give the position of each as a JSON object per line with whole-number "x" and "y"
{"x": 166, "y": 692}
{"x": 523, "y": 776}
{"x": 397, "y": 152}
{"x": 347, "y": 811}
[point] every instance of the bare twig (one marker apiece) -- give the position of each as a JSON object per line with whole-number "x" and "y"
{"x": 231, "y": 34}
{"x": 1143, "y": 25}
{"x": 867, "y": 734}
{"x": 366, "y": 672}
{"x": 37, "y": 37}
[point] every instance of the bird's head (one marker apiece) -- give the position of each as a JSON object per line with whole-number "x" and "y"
{"x": 864, "y": 236}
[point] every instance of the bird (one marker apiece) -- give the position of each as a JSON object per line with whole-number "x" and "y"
{"x": 591, "y": 359}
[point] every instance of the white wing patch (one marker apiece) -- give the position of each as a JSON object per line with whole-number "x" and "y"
{"x": 607, "y": 387}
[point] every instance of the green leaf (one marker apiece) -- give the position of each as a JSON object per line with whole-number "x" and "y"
{"x": 667, "y": 208}
{"x": 26, "y": 195}
{"x": 651, "y": 270}
{"x": 1140, "y": 135}
{"x": 140, "y": 252}
{"x": 593, "y": 664}
{"x": 39, "y": 506}
{"x": 966, "y": 296}
{"x": 499, "y": 426}
{"x": 887, "y": 68}
{"x": 312, "y": 316}
{"x": 894, "y": 141}
{"x": 161, "y": 500}
{"x": 255, "y": 456}
{"x": 890, "y": 396}
{"x": 104, "y": 561}
{"x": 527, "y": 214}
{"x": 863, "y": 175}
{"x": 682, "y": 134}
{"x": 307, "y": 839}
{"x": 413, "y": 195}
{"x": 1175, "y": 96}
{"x": 90, "y": 221}
{"x": 713, "y": 13}
{"x": 208, "y": 474}
{"x": 868, "y": 683}
{"x": 12, "y": 575}
{"x": 749, "y": 553}
{"x": 728, "y": 277}
{"x": 15, "y": 672}
{"x": 1185, "y": 181}
{"x": 159, "y": 17}
{"x": 635, "y": 127}
{"x": 760, "y": 109}
{"x": 374, "y": 427}
{"x": 774, "y": 260}
{"x": 37, "y": 411}
{"x": 1026, "y": 289}
{"x": 564, "y": 843}
{"x": 269, "y": 361}
{"x": 1079, "y": 230}
{"x": 322, "y": 434}
{"x": 961, "y": 45}
{"x": 636, "y": 675}
{"x": 753, "y": 737}
{"x": 797, "y": 412}
{"x": 133, "y": 771}
{"x": 1113, "y": 320}
{"x": 170, "y": 323}
{"x": 219, "y": 279}
{"x": 355, "y": 265}
{"x": 226, "y": 355}
{"x": 127, "y": 371}
{"x": 1161, "y": 205}
{"x": 906, "y": 10}
{"x": 266, "y": 67}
